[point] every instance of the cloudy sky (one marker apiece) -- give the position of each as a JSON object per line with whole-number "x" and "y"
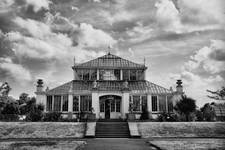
{"x": 180, "y": 39}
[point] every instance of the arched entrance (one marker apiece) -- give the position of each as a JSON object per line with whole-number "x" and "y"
{"x": 110, "y": 106}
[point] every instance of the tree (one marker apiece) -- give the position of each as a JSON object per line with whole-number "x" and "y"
{"x": 4, "y": 89}
{"x": 217, "y": 95}
{"x": 23, "y": 98}
{"x": 185, "y": 106}
{"x": 208, "y": 112}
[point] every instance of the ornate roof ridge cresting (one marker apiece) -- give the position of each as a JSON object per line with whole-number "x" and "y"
{"x": 110, "y": 61}
{"x": 141, "y": 86}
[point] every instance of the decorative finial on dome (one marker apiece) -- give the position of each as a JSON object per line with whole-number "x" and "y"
{"x": 109, "y": 49}
{"x": 144, "y": 60}
{"x": 74, "y": 61}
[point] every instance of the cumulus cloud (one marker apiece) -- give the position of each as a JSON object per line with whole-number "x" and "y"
{"x": 203, "y": 71}
{"x": 184, "y": 16}
{"x": 16, "y": 71}
{"x": 211, "y": 59}
{"x": 91, "y": 37}
{"x": 38, "y": 4}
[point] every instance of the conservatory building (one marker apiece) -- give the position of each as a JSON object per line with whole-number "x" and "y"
{"x": 109, "y": 87}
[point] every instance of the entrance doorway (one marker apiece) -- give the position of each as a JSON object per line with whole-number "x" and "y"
{"x": 110, "y": 106}
{"x": 107, "y": 109}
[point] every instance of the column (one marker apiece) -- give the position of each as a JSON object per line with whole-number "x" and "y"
{"x": 95, "y": 104}
{"x": 166, "y": 104}
{"x": 70, "y": 103}
{"x": 97, "y": 74}
{"x": 125, "y": 104}
{"x": 121, "y": 74}
{"x": 149, "y": 104}
{"x": 53, "y": 101}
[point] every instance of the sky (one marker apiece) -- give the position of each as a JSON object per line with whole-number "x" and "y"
{"x": 179, "y": 39}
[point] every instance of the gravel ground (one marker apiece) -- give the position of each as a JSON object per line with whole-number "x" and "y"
{"x": 42, "y": 145}
{"x": 188, "y": 143}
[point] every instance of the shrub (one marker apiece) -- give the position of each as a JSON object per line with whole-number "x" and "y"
{"x": 164, "y": 116}
{"x": 208, "y": 112}
{"x": 144, "y": 114}
{"x": 52, "y": 116}
{"x": 199, "y": 115}
{"x": 35, "y": 113}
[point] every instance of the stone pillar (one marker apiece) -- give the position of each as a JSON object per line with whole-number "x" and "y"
{"x": 70, "y": 103}
{"x": 95, "y": 104}
{"x": 149, "y": 104}
{"x": 121, "y": 74}
{"x": 125, "y": 104}
{"x": 41, "y": 97}
{"x": 97, "y": 74}
{"x": 166, "y": 104}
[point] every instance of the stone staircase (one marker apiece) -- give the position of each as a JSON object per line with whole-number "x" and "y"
{"x": 109, "y": 129}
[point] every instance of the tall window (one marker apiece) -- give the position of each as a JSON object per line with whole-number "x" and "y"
{"x": 170, "y": 103}
{"x": 93, "y": 74}
{"x": 109, "y": 74}
{"x": 154, "y": 103}
{"x": 57, "y": 103}
{"x": 65, "y": 103}
{"x": 118, "y": 105}
{"x": 133, "y": 75}
{"x": 162, "y": 103}
{"x": 102, "y": 106}
{"x": 80, "y": 73}
{"x": 85, "y": 103}
{"x": 136, "y": 103}
{"x": 75, "y": 103}
{"x": 49, "y": 103}
{"x": 126, "y": 75}
{"x": 86, "y": 74}
{"x": 143, "y": 102}
{"x": 140, "y": 74}
{"x": 117, "y": 74}
{"x": 113, "y": 105}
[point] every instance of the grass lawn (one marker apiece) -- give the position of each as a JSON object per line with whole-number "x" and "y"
{"x": 42, "y": 145}
{"x": 189, "y": 144}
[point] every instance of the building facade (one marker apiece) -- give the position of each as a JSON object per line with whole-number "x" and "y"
{"x": 110, "y": 87}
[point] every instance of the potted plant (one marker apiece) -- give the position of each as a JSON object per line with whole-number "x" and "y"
{"x": 131, "y": 115}
{"x": 91, "y": 115}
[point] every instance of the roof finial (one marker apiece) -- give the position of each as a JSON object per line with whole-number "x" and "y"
{"x": 109, "y": 49}
{"x": 144, "y": 60}
{"x": 74, "y": 60}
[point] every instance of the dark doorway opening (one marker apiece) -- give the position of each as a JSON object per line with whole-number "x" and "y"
{"x": 107, "y": 109}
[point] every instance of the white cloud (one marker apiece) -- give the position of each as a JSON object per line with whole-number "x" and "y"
{"x": 189, "y": 16}
{"x": 91, "y": 37}
{"x": 207, "y": 59}
{"x": 38, "y": 4}
{"x": 16, "y": 71}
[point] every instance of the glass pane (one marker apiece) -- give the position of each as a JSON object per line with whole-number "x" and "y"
{"x": 57, "y": 103}
{"x": 113, "y": 105}
{"x": 117, "y": 105}
{"x": 136, "y": 103}
{"x": 144, "y": 102}
{"x": 86, "y": 74}
{"x": 154, "y": 103}
{"x": 170, "y": 103}
{"x": 140, "y": 74}
{"x": 49, "y": 103}
{"x": 117, "y": 74}
{"x": 75, "y": 103}
{"x": 133, "y": 75}
{"x": 162, "y": 103}
{"x": 102, "y": 106}
{"x": 65, "y": 103}
{"x": 85, "y": 103}
{"x": 126, "y": 75}
{"x": 80, "y": 74}
{"x": 93, "y": 74}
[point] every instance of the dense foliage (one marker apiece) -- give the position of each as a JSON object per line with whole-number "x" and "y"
{"x": 186, "y": 106}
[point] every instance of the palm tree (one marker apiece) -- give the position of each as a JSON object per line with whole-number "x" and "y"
{"x": 185, "y": 106}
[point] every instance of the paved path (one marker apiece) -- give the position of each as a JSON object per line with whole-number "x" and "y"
{"x": 117, "y": 144}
